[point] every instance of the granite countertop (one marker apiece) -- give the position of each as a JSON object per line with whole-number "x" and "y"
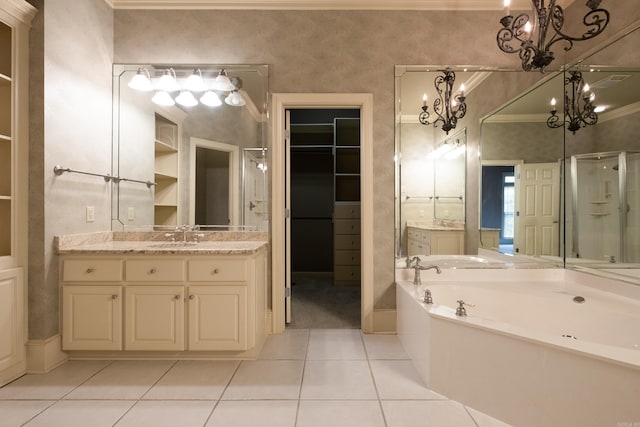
{"x": 104, "y": 243}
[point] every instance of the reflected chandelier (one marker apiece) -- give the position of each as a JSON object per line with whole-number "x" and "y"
{"x": 448, "y": 107}
{"x": 531, "y": 38}
{"x": 578, "y": 105}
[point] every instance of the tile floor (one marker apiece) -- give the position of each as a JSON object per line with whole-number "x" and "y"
{"x": 318, "y": 377}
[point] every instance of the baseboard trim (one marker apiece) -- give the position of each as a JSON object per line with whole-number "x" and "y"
{"x": 384, "y": 321}
{"x": 45, "y": 355}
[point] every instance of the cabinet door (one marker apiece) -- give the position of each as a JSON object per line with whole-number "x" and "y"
{"x": 218, "y": 317}
{"x": 447, "y": 243}
{"x": 91, "y": 317}
{"x": 154, "y": 318}
{"x": 11, "y": 318}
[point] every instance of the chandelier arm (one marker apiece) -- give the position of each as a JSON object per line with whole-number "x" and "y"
{"x": 595, "y": 21}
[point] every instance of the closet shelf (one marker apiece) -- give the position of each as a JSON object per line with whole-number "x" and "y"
{"x": 599, "y": 202}
{"x": 599, "y": 213}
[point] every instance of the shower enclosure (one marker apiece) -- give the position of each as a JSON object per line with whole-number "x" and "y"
{"x": 603, "y": 207}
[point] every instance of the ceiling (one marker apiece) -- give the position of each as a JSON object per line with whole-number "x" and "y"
{"x": 324, "y": 4}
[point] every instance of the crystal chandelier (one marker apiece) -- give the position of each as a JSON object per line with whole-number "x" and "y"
{"x": 578, "y": 105}
{"x": 448, "y": 107}
{"x": 532, "y": 37}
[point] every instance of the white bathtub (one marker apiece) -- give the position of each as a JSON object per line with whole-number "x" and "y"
{"x": 509, "y": 358}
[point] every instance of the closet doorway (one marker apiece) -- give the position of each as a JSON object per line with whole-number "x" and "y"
{"x": 323, "y": 167}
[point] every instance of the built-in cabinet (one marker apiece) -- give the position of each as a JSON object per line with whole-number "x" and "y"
{"x": 171, "y": 303}
{"x": 15, "y": 18}
{"x": 166, "y": 149}
{"x": 436, "y": 241}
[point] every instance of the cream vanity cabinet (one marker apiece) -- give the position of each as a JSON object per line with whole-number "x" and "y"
{"x": 163, "y": 303}
{"x": 435, "y": 241}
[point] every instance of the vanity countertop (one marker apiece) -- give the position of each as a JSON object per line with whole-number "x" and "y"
{"x": 103, "y": 243}
{"x": 434, "y": 227}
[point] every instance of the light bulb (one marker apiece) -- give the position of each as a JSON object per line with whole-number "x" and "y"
{"x": 222, "y": 82}
{"x": 507, "y": 7}
{"x": 210, "y": 99}
{"x": 553, "y": 102}
{"x": 424, "y": 100}
{"x": 462, "y": 89}
{"x": 141, "y": 81}
{"x": 163, "y": 98}
{"x": 528, "y": 27}
{"x": 168, "y": 81}
{"x": 234, "y": 99}
{"x": 186, "y": 99}
{"x": 194, "y": 82}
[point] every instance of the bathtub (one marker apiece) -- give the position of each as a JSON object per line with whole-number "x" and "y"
{"x": 527, "y": 353}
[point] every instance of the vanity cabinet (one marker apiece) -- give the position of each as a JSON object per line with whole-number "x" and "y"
{"x": 439, "y": 241}
{"x": 171, "y": 303}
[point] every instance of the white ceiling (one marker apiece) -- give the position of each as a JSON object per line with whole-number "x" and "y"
{"x": 324, "y": 4}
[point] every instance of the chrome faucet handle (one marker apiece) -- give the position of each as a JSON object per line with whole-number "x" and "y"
{"x": 427, "y": 297}
{"x": 415, "y": 259}
{"x": 170, "y": 236}
{"x": 461, "y": 311}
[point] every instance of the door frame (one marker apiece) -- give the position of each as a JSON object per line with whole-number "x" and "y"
{"x": 280, "y": 103}
{"x": 234, "y": 177}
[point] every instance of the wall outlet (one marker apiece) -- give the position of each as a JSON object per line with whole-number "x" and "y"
{"x": 131, "y": 213}
{"x": 91, "y": 214}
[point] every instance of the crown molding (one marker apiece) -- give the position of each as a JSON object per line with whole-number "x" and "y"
{"x": 319, "y": 4}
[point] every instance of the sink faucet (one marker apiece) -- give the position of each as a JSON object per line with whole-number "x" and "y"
{"x": 461, "y": 311}
{"x": 417, "y": 268}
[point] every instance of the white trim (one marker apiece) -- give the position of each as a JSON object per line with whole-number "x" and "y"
{"x": 234, "y": 177}
{"x": 517, "y": 118}
{"x": 320, "y": 4}
{"x": 17, "y": 11}
{"x": 280, "y": 102}
{"x": 45, "y": 355}
{"x": 619, "y": 112}
{"x": 251, "y": 107}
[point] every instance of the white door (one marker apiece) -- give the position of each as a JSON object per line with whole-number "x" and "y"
{"x": 537, "y": 200}
{"x": 287, "y": 225}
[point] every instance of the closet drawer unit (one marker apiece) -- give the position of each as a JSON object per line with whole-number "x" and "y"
{"x": 346, "y": 211}
{"x": 346, "y": 226}
{"x": 347, "y": 258}
{"x": 92, "y": 270}
{"x": 154, "y": 270}
{"x": 347, "y": 242}
{"x": 218, "y": 270}
{"x": 345, "y": 273}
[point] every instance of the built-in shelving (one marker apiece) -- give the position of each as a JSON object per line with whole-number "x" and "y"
{"x": 7, "y": 169}
{"x": 166, "y": 148}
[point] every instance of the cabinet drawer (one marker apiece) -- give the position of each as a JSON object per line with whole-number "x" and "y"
{"x": 346, "y": 226}
{"x": 346, "y": 273}
{"x": 347, "y": 258}
{"x": 346, "y": 211}
{"x": 218, "y": 270}
{"x": 347, "y": 241}
{"x": 92, "y": 270}
{"x": 154, "y": 270}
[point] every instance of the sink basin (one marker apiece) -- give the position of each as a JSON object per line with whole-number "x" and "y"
{"x": 172, "y": 244}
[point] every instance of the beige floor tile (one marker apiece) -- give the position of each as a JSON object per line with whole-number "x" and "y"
{"x": 484, "y": 420}
{"x": 398, "y": 379}
{"x": 341, "y": 344}
{"x": 194, "y": 379}
{"x": 426, "y": 413}
{"x": 82, "y": 413}
{"x": 53, "y": 385}
{"x": 253, "y": 413}
{"x": 15, "y": 413}
{"x": 337, "y": 379}
{"x": 167, "y": 413}
{"x": 384, "y": 347}
{"x": 122, "y": 380}
{"x": 292, "y": 345}
{"x": 340, "y": 413}
{"x": 266, "y": 379}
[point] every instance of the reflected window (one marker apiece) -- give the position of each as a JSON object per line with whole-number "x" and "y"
{"x": 508, "y": 208}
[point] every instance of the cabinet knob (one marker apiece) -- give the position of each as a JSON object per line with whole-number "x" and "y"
{"x": 89, "y": 270}
{"x": 152, "y": 271}
{"x": 176, "y": 297}
{"x": 192, "y": 297}
{"x": 215, "y": 271}
{"x": 114, "y": 296}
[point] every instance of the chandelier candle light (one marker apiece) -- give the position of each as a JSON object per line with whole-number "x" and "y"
{"x": 532, "y": 37}
{"x": 579, "y": 110}
{"x": 448, "y": 107}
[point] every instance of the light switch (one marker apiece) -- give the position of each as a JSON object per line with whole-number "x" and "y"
{"x": 91, "y": 214}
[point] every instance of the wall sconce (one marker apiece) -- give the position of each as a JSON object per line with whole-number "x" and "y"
{"x": 547, "y": 21}
{"x": 448, "y": 107}
{"x": 579, "y": 110}
{"x": 449, "y": 149}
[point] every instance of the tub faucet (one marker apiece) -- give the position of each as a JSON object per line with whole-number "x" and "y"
{"x": 427, "y": 297}
{"x": 417, "y": 268}
{"x": 461, "y": 311}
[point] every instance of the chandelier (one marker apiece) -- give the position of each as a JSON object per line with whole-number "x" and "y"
{"x": 448, "y": 107}
{"x": 531, "y": 38}
{"x": 578, "y": 105}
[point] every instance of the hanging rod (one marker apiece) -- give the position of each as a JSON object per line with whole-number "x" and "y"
{"x": 418, "y": 197}
{"x": 449, "y": 197}
{"x": 59, "y": 170}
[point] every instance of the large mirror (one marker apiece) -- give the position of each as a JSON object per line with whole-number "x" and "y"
{"x": 431, "y": 172}
{"x": 189, "y": 146}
